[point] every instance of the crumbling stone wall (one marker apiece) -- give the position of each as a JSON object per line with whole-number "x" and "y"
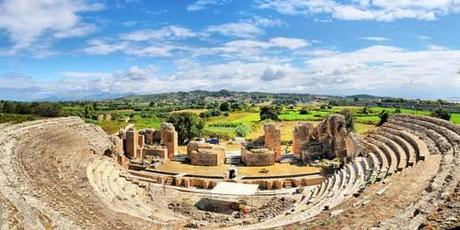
{"x": 301, "y": 137}
{"x": 205, "y": 154}
{"x": 117, "y": 145}
{"x": 272, "y": 138}
{"x": 329, "y": 139}
{"x": 265, "y": 150}
{"x": 158, "y": 151}
{"x": 157, "y": 143}
{"x": 257, "y": 157}
{"x": 169, "y": 138}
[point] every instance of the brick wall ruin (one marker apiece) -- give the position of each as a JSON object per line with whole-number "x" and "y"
{"x": 272, "y": 138}
{"x": 149, "y": 143}
{"x": 257, "y": 156}
{"x": 169, "y": 138}
{"x": 205, "y": 154}
{"x": 329, "y": 139}
{"x": 265, "y": 150}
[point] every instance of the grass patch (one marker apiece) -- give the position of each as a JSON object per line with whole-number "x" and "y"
{"x": 15, "y": 118}
{"x": 455, "y": 118}
{"x": 142, "y": 123}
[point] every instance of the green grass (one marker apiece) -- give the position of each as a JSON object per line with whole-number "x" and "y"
{"x": 236, "y": 117}
{"x": 293, "y": 115}
{"x": 142, "y": 123}
{"x": 15, "y": 118}
{"x": 455, "y": 118}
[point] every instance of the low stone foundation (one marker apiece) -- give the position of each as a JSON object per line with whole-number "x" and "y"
{"x": 206, "y": 154}
{"x": 257, "y": 157}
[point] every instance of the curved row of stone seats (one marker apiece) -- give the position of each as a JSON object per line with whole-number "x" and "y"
{"x": 385, "y": 160}
{"x": 439, "y": 122}
{"x": 442, "y": 183}
{"x": 394, "y": 150}
{"x": 447, "y": 131}
{"x": 407, "y": 136}
{"x": 393, "y": 160}
{"x": 396, "y": 145}
{"x": 408, "y": 149}
{"x": 441, "y": 143}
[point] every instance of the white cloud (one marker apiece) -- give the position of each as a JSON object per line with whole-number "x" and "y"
{"x": 271, "y": 73}
{"x": 379, "y": 70}
{"x": 236, "y": 29}
{"x": 78, "y": 31}
{"x": 290, "y": 43}
{"x": 103, "y": 47}
{"x": 379, "y": 10}
{"x": 375, "y": 39}
{"x": 167, "y": 32}
{"x": 204, "y": 4}
{"x": 26, "y": 20}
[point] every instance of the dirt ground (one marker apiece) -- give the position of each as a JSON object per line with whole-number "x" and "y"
{"x": 274, "y": 170}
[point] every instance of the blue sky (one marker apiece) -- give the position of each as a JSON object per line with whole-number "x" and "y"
{"x": 79, "y": 48}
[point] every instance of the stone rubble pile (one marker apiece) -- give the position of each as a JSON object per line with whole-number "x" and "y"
{"x": 274, "y": 207}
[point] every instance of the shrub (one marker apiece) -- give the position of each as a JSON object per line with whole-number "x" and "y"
{"x": 304, "y": 111}
{"x": 225, "y": 106}
{"x": 269, "y": 113}
{"x": 383, "y": 117}
{"x": 349, "y": 120}
{"x": 441, "y": 113}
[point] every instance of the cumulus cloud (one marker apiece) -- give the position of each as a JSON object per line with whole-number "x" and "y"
{"x": 271, "y": 74}
{"x": 235, "y": 29}
{"x": 290, "y": 43}
{"x": 25, "y": 21}
{"x": 204, "y": 4}
{"x": 166, "y": 32}
{"x": 379, "y": 10}
{"x": 378, "y": 69}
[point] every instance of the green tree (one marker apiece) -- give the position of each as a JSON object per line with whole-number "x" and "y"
{"x": 86, "y": 112}
{"x": 188, "y": 126}
{"x": 441, "y": 113}
{"x": 225, "y": 106}
{"x": 8, "y": 107}
{"x": 23, "y": 108}
{"x": 47, "y": 109}
{"x": 349, "y": 119}
{"x": 269, "y": 113}
{"x": 304, "y": 110}
{"x": 384, "y": 116}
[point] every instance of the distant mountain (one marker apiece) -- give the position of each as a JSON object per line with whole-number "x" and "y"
{"x": 366, "y": 96}
{"x": 93, "y": 97}
{"x": 200, "y": 97}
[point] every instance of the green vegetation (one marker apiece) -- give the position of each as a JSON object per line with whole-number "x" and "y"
{"x": 384, "y": 116}
{"x": 15, "y": 118}
{"x": 270, "y": 113}
{"x": 349, "y": 119}
{"x": 226, "y": 114}
{"x": 188, "y": 126}
{"x": 441, "y": 113}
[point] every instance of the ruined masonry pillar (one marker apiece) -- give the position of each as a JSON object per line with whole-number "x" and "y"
{"x": 272, "y": 138}
{"x": 169, "y": 138}
{"x": 132, "y": 138}
{"x": 301, "y": 136}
